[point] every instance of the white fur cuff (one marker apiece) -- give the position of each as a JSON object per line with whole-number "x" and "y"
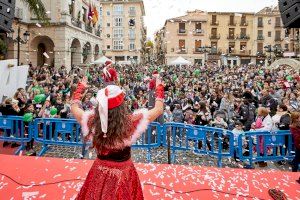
{"x": 84, "y": 122}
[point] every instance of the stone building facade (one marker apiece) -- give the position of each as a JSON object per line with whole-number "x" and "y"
{"x": 123, "y": 30}
{"x": 226, "y": 38}
{"x": 71, "y": 37}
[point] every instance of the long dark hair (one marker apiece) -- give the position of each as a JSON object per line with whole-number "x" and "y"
{"x": 119, "y": 128}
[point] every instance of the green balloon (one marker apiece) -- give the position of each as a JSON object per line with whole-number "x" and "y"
{"x": 289, "y": 78}
{"x": 261, "y": 72}
{"x": 197, "y": 72}
{"x": 174, "y": 77}
{"x": 39, "y": 98}
{"x": 28, "y": 117}
{"x": 53, "y": 111}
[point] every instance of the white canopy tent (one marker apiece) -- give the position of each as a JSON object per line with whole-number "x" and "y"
{"x": 101, "y": 60}
{"x": 180, "y": 61}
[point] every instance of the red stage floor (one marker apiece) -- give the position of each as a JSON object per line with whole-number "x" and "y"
{"x": 239, "y": 182}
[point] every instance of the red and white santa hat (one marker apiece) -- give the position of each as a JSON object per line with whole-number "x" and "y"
{"x": 155, "y": 74}
{"x": 108, "y": 98}
{"x": 110, "y": 74}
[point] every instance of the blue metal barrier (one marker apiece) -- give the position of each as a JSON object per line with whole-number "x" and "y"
{"x": 178, "y": 137}
{"x": 150, "y": 139}
{"x": 265, "y": 146}
{"x": 50, "y": 131}
{"x": 215, "y": 141}
{"x": 13, "y": 129}
{"x": 187, "y": 137}
{"x": 252, "y": 146}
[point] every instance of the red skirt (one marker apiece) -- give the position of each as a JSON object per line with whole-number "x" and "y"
{"x": 110, "y": 180}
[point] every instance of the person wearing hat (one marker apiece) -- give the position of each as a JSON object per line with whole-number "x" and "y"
{"x": 112, "y": 131}
{"x": 110, "y": 75}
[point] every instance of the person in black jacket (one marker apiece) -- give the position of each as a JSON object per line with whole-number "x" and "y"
{"x": 247, "y": 111}
{"x": 268, "y": 101}
{"x": 10, "y": 107}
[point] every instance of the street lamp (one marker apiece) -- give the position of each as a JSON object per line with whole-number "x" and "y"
{"x": 268, "y": 48}
{"x": 275, "y": 49}
{"x": 19, "y": 40}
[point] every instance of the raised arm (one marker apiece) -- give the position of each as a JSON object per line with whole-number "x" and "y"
{"x": 159, "y": 101}
{"x": 76, "y": 100}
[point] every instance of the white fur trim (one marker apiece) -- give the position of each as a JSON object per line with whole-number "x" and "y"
{"x": 140, "y": 128}
{"x": 105, "y": 71}
{"x": 84, "y": 121}
{"x": 103, "y": 109}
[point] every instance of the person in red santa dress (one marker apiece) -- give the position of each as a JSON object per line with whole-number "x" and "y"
{"x": 112, "y": 130}
{"x": 110, "y": 75}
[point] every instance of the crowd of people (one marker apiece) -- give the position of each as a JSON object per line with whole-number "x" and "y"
{"x": 239, "y": 98}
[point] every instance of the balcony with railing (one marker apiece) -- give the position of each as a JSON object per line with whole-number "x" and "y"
{"x": 214, "y": 36}
{"x": 182, "y": 51}
{"x": 260, "y": 37}
{"x": 88, "y": 28}
{"x": 215, "y": 51}
{"x": 245, "y": 52}
{"x": 260, "y": 24}
{"x": 214, "y": 23}
{"x": 232, "y": 23}
{"x": 244, "y": 23}
{"x": 278, "y": 39}
{"x": 243, "y": 37}
{"x": 277, "y": 25}
{"x": 230, "y": 37}
{"x": 232, "y": 51}
{"x": 295, "y": 38}
{"x": 260, "y": 53}
{"x": 182, "y": 32}
{"x": 77, "y": 23}
{"x": 198, "y": 50}
{"x": 198, "y": 32}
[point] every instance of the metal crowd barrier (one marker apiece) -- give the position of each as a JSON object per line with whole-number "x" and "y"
{"x": 150, "y": 139}
{"x": 51, "y": 131}
{"x": 13, "y": 129}
{"x": 215, "y": 141}
{"x": 200, "y": 139}
{"x": 261, "y": 146}
{"x": 251, "y": 146}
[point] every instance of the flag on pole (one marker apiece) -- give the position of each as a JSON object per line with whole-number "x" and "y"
{"x": 90, "y": 13}
{"x": 95, "y": 15}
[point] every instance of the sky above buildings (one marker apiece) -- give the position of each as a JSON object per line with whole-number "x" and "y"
{"x": 157, "y": 11}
